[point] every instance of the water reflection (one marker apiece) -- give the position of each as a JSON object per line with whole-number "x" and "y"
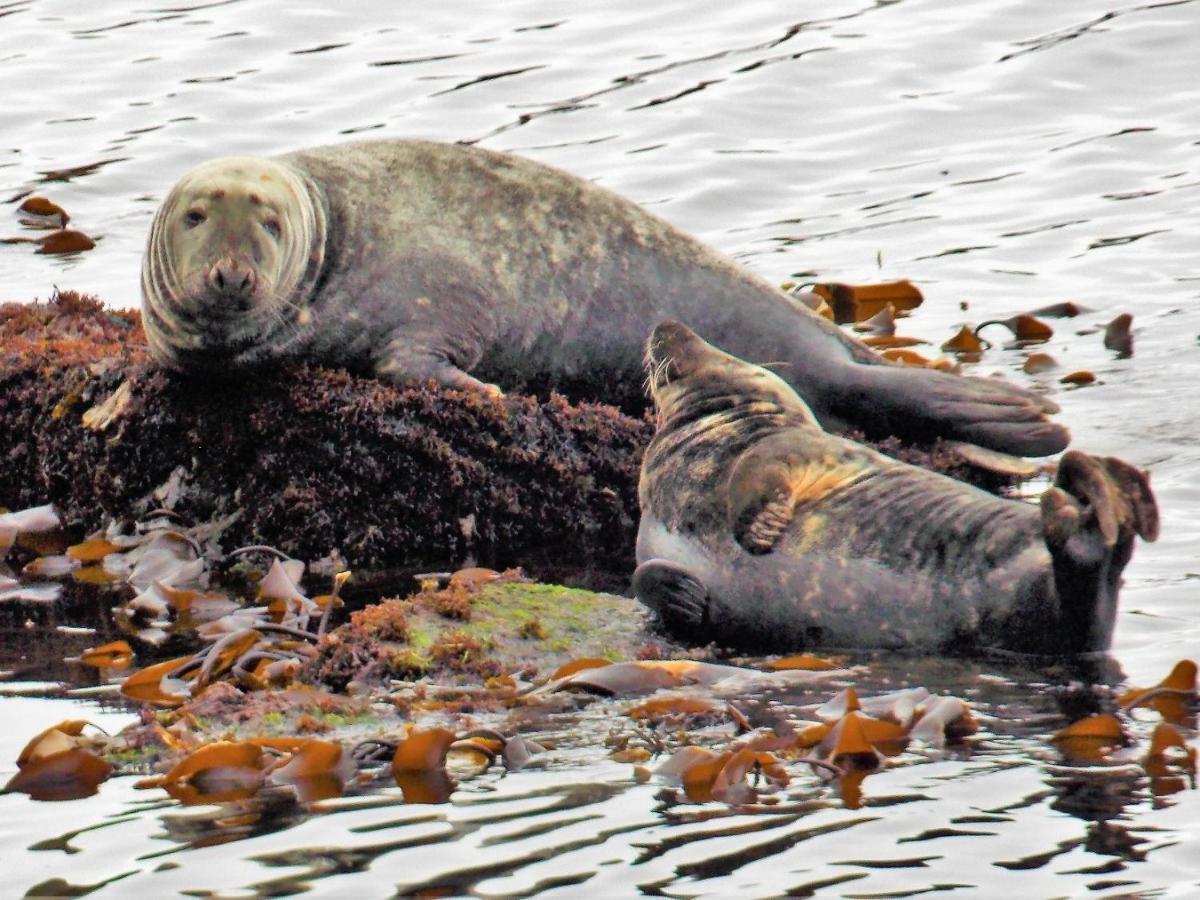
{"x": 1002, "y": 158}
{"x": 1003, "y": 809}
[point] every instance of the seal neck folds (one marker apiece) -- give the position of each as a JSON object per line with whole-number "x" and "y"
{"x": 711, "y": 407}
{"x": 234, "y": 251}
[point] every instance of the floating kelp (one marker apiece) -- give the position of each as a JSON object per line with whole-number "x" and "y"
{"x": 59, "y": 764}
{"x": 1026, "y": 329}
{"x": 966, "y": 345}
{"x": 39, "y": 212}
{"x": 1066, "y": 309}
{"x": 704, "y": 743}
{"x": 1080, "y": 378}
{"x": 1036, "y": 363}
{"x": 1118, "y": 336}
{"x": 860, "y": 302}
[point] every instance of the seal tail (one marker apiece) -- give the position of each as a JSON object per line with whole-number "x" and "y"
{"x": 922, "y": 404}
{"x": 1090, "y": 517}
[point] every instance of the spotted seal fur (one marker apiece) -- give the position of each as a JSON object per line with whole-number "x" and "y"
{"x": 416, "y": 260}
{"x": 761, "y": 531}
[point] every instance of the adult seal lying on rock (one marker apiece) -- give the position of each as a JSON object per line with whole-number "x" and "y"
{"x": 419, "y": 260}
{"x": 761, "y": 531}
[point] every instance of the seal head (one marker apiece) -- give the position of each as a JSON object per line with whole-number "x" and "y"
{"x": 233, "y": 254}
{"x": 687, "y": 377}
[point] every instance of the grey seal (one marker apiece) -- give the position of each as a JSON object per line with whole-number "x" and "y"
{"x": 761, "y": 531}
{"x": 419, "y": 260}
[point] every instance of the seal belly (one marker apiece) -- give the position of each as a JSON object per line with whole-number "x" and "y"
{"x": 804, "y": 596}
{"x": 762, "y": 532}
{"x": 816, "y": 599}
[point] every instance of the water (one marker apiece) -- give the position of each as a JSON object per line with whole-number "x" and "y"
{"x": 1002, "y": 154}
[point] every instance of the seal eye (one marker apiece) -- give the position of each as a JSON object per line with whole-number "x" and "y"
{"x": 273, "y": 228}
{"x": 194, "y": 217}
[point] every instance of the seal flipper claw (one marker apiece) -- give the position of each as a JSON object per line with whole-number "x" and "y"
{"x": 671, "y": 591}
{"x": 761, "y": 504}
{"x": 402, "y": 365}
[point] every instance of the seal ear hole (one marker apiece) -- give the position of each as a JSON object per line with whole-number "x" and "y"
{"x": 273, "y": 227}
{"x": 194, "y": 217}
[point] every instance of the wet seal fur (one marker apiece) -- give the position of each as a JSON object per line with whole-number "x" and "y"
{"x": 761, "y": 531}
{"x": 417, "y": 260}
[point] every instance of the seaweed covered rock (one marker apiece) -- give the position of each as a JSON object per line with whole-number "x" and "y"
{"x": 469, "y": 632}
{"x": 312, "y": 460}
{"x": 316, "y": 461}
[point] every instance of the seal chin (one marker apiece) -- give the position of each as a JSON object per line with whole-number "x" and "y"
{"x": 213, "y": 342}
{"x": 220, "y": 354}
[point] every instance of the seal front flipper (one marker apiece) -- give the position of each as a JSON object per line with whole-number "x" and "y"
{"x": 404, "y": 361}
{"x": 678, "y": 597}
{"x": 761, "y": 503}
{"x": 771, "y": 481}
{"x": 1090, "y": 517}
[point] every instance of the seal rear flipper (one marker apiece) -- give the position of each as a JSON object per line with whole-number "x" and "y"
{"x": 923, "y": 404}
{"x": 1096, "y": 507}
{"x": 1090, "y": 518}
{"x": 679, "y": 599}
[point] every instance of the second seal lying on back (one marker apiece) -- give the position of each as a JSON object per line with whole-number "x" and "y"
{"x": 419, "y": 260}
{"x": 760, "y": 531}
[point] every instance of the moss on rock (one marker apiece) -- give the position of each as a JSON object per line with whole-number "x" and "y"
{"x": 514, "y": 626}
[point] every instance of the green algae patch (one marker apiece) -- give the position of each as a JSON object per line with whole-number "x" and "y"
{"x": 548, "y": 624}
{"x": 507, "y": 626}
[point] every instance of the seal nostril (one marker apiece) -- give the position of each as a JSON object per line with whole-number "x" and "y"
{"x": 232, "y": 281}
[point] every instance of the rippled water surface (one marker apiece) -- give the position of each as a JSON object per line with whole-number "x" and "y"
{"x": 1000, "y": 154}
